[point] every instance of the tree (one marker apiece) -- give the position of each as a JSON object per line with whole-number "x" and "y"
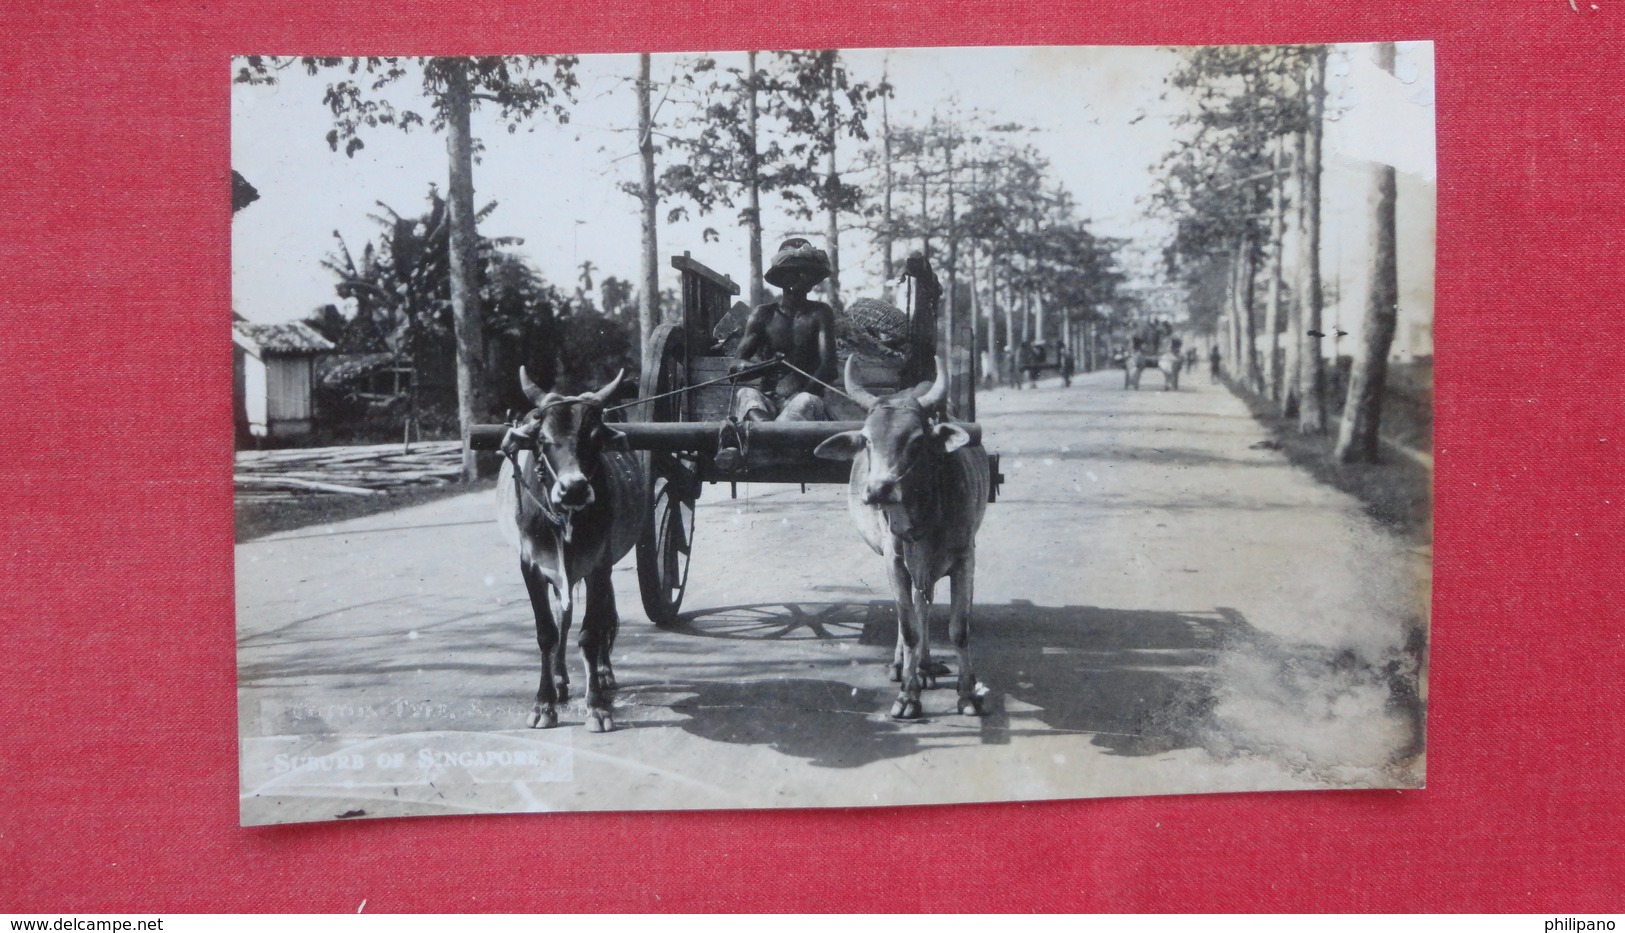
{"x": 584, "y": 286}
{"x": 620, "y": 301}
{"x": 1245, "y": 105}
{"x": 1357, "y": 437}
{"x": 722, "y": 159}
{"x": 401, "y": 288}
{"x": 649, "y": 198}
{"x": 1311, "y": 360}
{"x": 517, "y": 86}
{"x": 817, "y": 102}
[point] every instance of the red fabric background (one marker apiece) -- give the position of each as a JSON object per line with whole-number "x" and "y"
{"x": 117, "y": 726}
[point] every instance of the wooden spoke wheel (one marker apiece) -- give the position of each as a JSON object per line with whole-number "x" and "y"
{"x": 665, "y": 370}
{"x": 667, "y": 542}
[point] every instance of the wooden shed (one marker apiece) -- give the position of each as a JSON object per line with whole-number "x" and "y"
{"x": 273, "y": 373}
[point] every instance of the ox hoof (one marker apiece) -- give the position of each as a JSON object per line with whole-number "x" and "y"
{"x": 906, "y": 708}
{"x": 970, "y": 706}
{"x": 600, "y": 720}
{"x": 541, "y": 718}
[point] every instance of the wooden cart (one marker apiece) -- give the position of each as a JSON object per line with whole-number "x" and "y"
{"x": 686, "y": 396}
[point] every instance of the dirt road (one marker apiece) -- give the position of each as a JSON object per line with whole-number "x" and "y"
{"x": 1161, "y": 607}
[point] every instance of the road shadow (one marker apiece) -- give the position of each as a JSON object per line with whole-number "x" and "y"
{"x": 1129, "y": 682}
{"x": 826, "y": 722}
{"x": 1133, "y": 682}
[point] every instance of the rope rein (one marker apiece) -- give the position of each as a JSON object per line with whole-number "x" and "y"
{"x": 749, "y": 371}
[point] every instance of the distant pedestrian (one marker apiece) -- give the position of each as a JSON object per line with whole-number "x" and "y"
{"x": 1213, "y": 368}
{"x": 1066, "y": 368}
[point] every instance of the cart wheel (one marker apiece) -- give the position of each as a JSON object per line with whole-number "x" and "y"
{"x": 667, "y": 542}
{"x": 666, "y": 371}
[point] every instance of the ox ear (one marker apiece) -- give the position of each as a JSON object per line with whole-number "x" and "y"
{"x": 952, "y": 436}
{"x": 842, "y": 446}
{"x": 611, "y": 438}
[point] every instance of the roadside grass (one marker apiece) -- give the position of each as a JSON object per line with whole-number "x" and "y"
{"x": 1397, "y": 492}
{"x": 258, "y": 519}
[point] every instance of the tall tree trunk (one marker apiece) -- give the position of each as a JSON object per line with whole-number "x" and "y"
{"x": 1292, "y": 390}
{"x": 925, "y": 213}
{"x": 886, "y": 216}
{"x": 753, "y": 158}
{"x": 467, "y": 322}
{"x": 1038, "y": 299}
{"x": 1236, "y": 350}
{"x": 953, "y": 226}
{"x": 833, "y": 203}
{"x": 1012, "y": 350}
{"x": 886, "y": 202}
{"x": 1255, "y": 375}
{"x": 1362, "y": 411}
{"x": 1311, "y": 363}
{"x": 995, "y": 348}
{"x": 649, "y": 297}
{"x": 1273, "y": 297}
{"x": 975, "y": 319}
{"x": 1026, "y": 314}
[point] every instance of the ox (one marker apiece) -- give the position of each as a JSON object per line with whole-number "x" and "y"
{"x": 918, "y": 491}
{"x": 571, "y": 498}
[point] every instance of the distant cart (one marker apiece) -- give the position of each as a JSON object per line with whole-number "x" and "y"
{"x": 686, "y": 397}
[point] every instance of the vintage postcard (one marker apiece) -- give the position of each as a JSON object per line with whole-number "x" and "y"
{"x": 860, "y": 427}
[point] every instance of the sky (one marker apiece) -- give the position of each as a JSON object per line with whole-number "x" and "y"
{"x": 1097, "y": 113}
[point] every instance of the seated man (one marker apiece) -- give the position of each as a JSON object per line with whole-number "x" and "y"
{"x": 796, "y": 329}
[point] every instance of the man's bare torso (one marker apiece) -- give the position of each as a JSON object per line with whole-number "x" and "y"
{"x": 804, "y": 332}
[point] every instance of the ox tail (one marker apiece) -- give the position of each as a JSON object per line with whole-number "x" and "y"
{"x": 508, "y": 503}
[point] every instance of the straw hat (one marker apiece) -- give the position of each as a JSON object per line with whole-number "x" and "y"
{"x": 797, "y": 263}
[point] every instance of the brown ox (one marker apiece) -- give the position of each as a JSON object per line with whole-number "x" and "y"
{"x": 917, "y": 493}
{"x": 571, "y": 497}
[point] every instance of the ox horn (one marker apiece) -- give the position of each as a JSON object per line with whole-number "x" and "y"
{"x": 532, "y": 390}
{"x": 855, "y": 389}
{"x": 602, "y": 396}
{"x": 938, "y": 391}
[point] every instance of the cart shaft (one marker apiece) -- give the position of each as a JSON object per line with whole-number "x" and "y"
{"x": 702, "y": 437}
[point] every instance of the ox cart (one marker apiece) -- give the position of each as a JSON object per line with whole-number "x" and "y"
{"x": 681, "y": 422}
{"x": 1168, "y": 363}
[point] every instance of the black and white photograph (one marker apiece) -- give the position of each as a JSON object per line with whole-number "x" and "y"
{"x": 830, "y": 428}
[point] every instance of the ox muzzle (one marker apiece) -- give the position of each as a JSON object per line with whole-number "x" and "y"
{"x": 571, "y": 491}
